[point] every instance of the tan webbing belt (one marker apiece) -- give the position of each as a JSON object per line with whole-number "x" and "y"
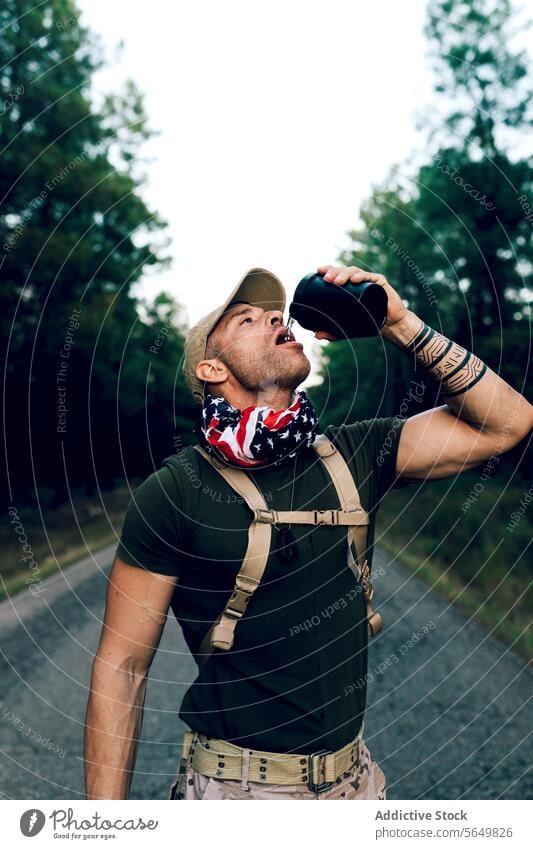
{"x": 220, "y": 759}
{"x": 350, "y": 514}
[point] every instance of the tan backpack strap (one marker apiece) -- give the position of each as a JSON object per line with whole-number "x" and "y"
{"x": 357, "y": 533}
{"x": 348, "y": 497}
{"x": 221, "y": 635}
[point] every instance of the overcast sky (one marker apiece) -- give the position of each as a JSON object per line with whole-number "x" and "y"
{"x": 274, "y": 121}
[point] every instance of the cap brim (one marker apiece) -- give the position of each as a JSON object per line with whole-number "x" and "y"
{"x": 257, "y": 287}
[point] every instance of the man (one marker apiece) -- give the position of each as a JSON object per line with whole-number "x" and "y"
{"x": 274, "y": 706}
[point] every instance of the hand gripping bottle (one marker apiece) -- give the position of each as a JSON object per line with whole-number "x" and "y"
{"x": 350, "y": 311}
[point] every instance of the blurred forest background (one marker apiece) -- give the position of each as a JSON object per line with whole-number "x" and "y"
{"x": 93, "y": 401}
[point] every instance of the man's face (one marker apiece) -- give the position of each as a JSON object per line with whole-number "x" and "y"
{"x": 250, "y": 342}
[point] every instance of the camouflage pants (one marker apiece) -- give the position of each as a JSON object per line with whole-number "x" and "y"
{"x": 365, "y": 780}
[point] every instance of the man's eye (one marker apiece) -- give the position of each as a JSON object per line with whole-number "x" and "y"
{"x": 246, "y": 319}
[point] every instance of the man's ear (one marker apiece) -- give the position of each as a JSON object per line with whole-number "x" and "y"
{"x": 211, "y": 371}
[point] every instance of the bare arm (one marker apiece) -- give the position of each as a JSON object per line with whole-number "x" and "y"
{"x": 483, "y": 416}
{"x": 136, "y": 610}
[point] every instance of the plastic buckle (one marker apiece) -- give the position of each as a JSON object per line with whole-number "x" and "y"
{"x": 366, "y": 583}
{"x": 241, "y": 596}
{"x": 264, "y": 515}
{"x": 239, "y": 599}
{"x": 324, "y": 448}
{"x": 368, "y": 590}
{"x": 325, "y": 785}
{"x": 322, "y": 516}
{"x": 234, "y": 614}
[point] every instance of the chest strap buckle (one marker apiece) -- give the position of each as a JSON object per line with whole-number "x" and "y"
{"x": 326, "y": 517}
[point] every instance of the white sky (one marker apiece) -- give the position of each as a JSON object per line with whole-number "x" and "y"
{"x": 274, "y": 121}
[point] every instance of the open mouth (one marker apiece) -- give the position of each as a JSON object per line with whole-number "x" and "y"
{"x": 283, "y": 336}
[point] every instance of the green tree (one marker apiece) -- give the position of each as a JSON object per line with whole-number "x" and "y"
{"x": 75, "y": 234}
{"x": 470, "y": 192}
{"x": 453, "y": 235}
{"x": 480, "y": 75}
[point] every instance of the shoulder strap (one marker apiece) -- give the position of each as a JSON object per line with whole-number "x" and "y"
{"x": 349, "y": 500}
{"x": 357, "y": 534}
{"x": 221, "y": 634}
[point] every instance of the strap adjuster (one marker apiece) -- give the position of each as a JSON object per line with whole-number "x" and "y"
{"x": 262, "y": 514}
{"x": 235, "y": 614}
{"x": 318, "y": 786}
{"x": 366, "y": 582}
{"x": 323, "y": 446}
{"x": 245, "y": 586}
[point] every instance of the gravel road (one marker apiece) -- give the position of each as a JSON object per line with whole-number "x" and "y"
{"x": 447, "y": 710}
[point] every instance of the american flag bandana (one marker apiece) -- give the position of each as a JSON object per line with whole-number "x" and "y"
{"x": 256, "y": 436}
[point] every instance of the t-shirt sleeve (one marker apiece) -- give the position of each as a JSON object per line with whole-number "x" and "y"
{"x": 153, "y": 531}
{"x": 371, "y": 446}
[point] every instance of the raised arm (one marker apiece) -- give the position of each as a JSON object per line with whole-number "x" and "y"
{"x": 136, "y": 609}
{"x": 483, "y": 416}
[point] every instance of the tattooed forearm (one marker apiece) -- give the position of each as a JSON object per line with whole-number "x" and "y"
{"x": 456, "y": 368}
{"x": 436, "y": 441}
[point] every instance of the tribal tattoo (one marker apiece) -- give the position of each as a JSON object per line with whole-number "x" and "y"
{"x": 457, "y": 369}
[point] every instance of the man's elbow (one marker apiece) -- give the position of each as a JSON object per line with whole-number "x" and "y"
{"x": 513, "y": 431}
{"x": 119, "y": 671}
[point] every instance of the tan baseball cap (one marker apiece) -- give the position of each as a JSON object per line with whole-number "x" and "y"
{"x": 257, "y": 287}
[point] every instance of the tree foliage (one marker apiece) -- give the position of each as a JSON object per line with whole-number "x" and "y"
{"x": 75, "y": 236}
{"x": 454, "y": 234}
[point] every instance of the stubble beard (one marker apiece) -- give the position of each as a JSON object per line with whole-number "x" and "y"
{"x": 256, "y": 375}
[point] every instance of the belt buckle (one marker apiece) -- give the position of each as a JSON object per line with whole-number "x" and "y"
{"x": 325, "y": 785}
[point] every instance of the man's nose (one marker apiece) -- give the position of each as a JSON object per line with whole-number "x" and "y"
{"x": 275, "y": 317}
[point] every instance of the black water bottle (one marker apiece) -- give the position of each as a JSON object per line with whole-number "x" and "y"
{"x": 350, "y": 311}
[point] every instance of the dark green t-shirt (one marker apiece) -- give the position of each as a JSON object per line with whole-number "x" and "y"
{"x": 295, "y": 678}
